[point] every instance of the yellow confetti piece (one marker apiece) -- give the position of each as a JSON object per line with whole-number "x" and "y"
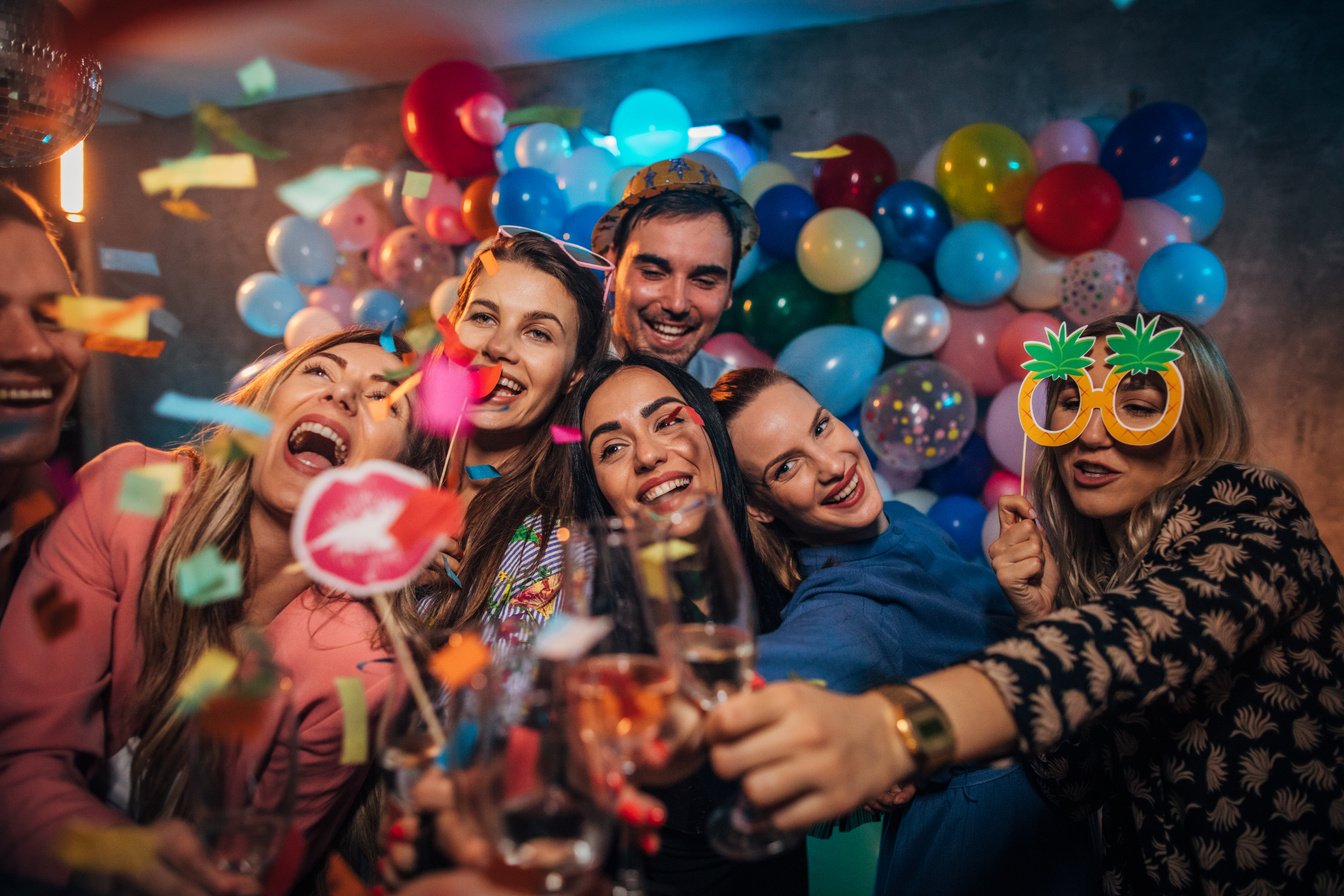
{"x": 233, "y": 170}
{"x": 354, "y": 721}
{"x": 416, "y": 184}
{"x": 185, "y": 208}
{"x": 230, "y": 446}
{"x": 653, "y": 562}
{"x": 118, "y": 318}
{"x": 457, "y": 661}
{"x": 170, "y": 475}
{"x": 834, "y": 151}
{"x": 207, "y": 677}
{"x": 128, "y": 849}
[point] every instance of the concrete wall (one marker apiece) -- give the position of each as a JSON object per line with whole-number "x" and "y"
{"x": 1263, "y": 74}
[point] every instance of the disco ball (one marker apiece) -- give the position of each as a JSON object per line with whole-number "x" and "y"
{"x": 48, "y": 100}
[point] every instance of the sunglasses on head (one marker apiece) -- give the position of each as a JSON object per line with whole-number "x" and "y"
{"x": 580, "y": 255}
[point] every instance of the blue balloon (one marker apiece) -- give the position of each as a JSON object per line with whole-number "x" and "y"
{"x": 579, "y": 223}
{"x": 1101, "y": 125}
{"x": 977, "y": 263}
{"x": 267, "y": 301}
{"x": 650, "y": 125}
{"x": 1184, "y": 279}
{"x": 377, "y": 308}
{"x": 912, "y": 220}
{"x": 782, "y": 211}
{"x": 1154, "y": 148}
{"x": 836, "y": 363}
{"x": 529, "y": 197}
{"x": 747, "y": 266}
{"x": 249, "y": 373}
{"x": 964, "y": 474}
{"x": 1199, "y": 199}
{"x": 301, "y": 249}
{"x": 894, "y": 280}
{"x": 506, "y": 153}
{"x": 734, "y": 149}
{"x": 962, "y": 518}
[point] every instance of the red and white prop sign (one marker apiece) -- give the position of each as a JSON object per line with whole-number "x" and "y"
{"x": 342, "y": 530}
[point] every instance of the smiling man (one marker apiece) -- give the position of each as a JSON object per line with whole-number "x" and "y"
{"x": 676, "y": 238}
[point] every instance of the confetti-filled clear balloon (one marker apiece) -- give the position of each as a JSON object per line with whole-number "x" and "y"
{"x": 50, "y": 100}
{"x": 1096, "y": 284}
{"x": 918, "y": 414}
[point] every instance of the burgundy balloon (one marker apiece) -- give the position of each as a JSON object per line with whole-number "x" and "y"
{"x": 431, "y": 125}
{"x": 738, "y": 351}
{"x": 1073, "y": 207}
{"x": 854, "y": 181}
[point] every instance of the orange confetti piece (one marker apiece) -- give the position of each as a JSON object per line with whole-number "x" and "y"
{"x": 456, "y": 662}
{"x": 489, "y": 263}
{"x": 453, "y": 349}
{"x": 232, "y": 717}
{"x": 135, "y": 348}
{"x": 341, "y": 878}
{"x": 487, "y": 378}
{"x": 432, "y": 510}
{"x": 185, "y": 208}
{"x": 30, "y": 510}
{"x": 54, "y": 615}
{"x": 129, "y": 309}
{"x": 834, "y": 151}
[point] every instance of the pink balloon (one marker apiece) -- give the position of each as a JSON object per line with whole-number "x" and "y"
{"x": 899, "y": 480}
{"x": 354, "y": 223}
{"x": 335, "y": 300}
{"x": 408, "y": 261}
{"x": 1146, "y": 226}
{"x": 970, "y": 345}
{"x": 444, "y": 225}
{"x": 482, "y": 118}
{"x": 737, "y": 351}
{"x": 441, "y": 192}
{"x": 1004, "y": 434}
{"x": 1066, "y": 140}
{"x": 999, "y": 484}
{"x": 1009, "y": 352}
{"x": 309, "y": 323}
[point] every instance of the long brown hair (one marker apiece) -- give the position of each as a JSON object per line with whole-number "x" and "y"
{"x": 1214, "y": 426}
{"x": 536, "y": 479}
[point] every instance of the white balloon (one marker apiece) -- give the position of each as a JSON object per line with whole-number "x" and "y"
{"x": 927, "y": 167}
{"x": 918, "y": 325}
{"x": 1038, "y": 286}
{"x": 723, "y": 168}
{"x": 919, "y": 498}
{"x": 444, "y": 296}
{"x": 761, "y": 177}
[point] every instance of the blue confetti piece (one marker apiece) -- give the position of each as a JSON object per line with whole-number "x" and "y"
{"x": 457, "y": 753}
{"x": 203, "y": 410}
{"x": 381, "y": 659}
{"x": 385, "y": 340}
{"x": 477, "y": 472}
{"x": 448, "y": 571}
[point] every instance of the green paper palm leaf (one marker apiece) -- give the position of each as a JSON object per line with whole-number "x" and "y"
{"x": 1139, "y": 349}
{"x": 1063, "y": 355}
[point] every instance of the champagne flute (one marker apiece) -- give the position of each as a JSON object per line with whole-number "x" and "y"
{"x": 703, "y": 611}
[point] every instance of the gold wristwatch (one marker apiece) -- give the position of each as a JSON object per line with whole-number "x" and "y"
{"x": 922, "y": 727}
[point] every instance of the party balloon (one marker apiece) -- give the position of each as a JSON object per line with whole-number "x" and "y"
{"x": 579, "y": 223}
{"x": 542, "y": 145}
{"x": 301, "y": 249}
{"x": 918, "y": 414}
{"x": 353, "y": 223}
{"x": 619, "y": 180}
{"x": 984, "y": 171}
{"x": 442, "y": 191}
{"x": 444, "y": 297}
{"x": 249, "y": 373}
{"x": 839, "y": 250}
{"x": 912, "y": 220}
{"x": 1199, "y": 200}
{"x": 989, "y": 530}
{"x": 854, "y": 181}
{"x": 1003, "y": 431}
{"x": 1185, "y": 279}
{"x": 962, "y": 518}
{"x": 900, "y": 480}
{"x": 971, "y": 340}
{"x": 1146, "y": 225}
{"x": 482, "y": 118}
{"x": 444, "y": 225}
{"x": 335, "y": 300}
{"x": 378, "y": 308}
{"x": 650, "y": 125}
{"x": 1154, "y": 148}
{"x": 737, "y": 351}
{"x": 964, "y": 474}
{"x": 918, "y": 325}
{"x": 529, "y": 197}
{"x": 926, "y": 169}
{"x": 1073, "y": 207}
{"x": 782, "y": 211}
{"x": 1066, "y": 140}
{"x": 893, "y": 281}
{"x": 977, "y": 262}
{"x": 735, "y": 150}
{"x": 267, "y": 301}
{"x": 476, "y": 212}
{"x": 834, "y": 363}
{"x": 585, "y": 176}
{"x": 1096, "y": 284}
{"x": 411, "y": 262}
{"x": 747, "y": 266}
{"x": 759, "y": 178}
{"x": 393, "y": 183}
{"x": 1008, "y": 350}
{"x": 1037, "y": 285}
{"x": 779, "y": 304}
{"x": 367, "y": 155}
{"x": 723, "y": 168}
{"x": 309, "y": 323}
{"x": 919, "y": 498}
{"x": 505, "y": 154}
{"x": 999, "y": 484}
{"x": 430, "y": 123}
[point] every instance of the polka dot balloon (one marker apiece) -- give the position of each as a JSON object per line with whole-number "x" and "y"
{"x": 918, "y": 414}
{"x": 1096, "y": 284}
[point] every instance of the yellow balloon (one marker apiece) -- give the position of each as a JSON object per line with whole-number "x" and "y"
{"x": 839, "y": 250}
{"x": 984, "y": 172}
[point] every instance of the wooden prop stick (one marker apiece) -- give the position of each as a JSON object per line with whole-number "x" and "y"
{"x": 403, "y": 654}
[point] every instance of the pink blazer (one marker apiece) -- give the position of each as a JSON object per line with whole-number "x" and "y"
{"x": 65, "y": 705}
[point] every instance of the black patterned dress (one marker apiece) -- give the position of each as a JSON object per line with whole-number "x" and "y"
{"x": 1202, "y": 705}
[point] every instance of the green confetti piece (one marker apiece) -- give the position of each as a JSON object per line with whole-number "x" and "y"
{"x": 257, "y": 79}
{"x": 226, "y": 127}
{"x": 565, "y": 116}
{"x": 354, "y": 721}
{"x": 141, "y": 495}
{"x": 416, "y": 184}
{"x": 323, "y": 187}
{"x": 206, "y": 578}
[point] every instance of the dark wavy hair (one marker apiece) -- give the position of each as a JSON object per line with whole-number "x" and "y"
{"x": 677, "y": 205}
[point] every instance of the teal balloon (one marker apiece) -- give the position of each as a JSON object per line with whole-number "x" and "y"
{"x": 1184, "y": 279}
{"x": 894, "y": 280}
{"x": 1199, "y": 199}
{"x": 835, "y": 363}
{"x": 779, "y": 304}
{"x": 267, "y": 301}
{"x": 650, "y": 125}
{"x": 301, "y": 249}
{"x": 1101, "y": 125}
{"x": 977, "y": 262}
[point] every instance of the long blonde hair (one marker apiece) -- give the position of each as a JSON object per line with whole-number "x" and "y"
{"x": 1216, "y": 431}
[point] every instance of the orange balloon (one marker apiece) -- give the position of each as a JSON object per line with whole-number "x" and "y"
{"x": 476, "y": 212}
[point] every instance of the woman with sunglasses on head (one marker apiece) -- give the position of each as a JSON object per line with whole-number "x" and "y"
{"x": 1181, "y": 666}
{"x": 880, "y": 594}
{"x": 91, "y": 727}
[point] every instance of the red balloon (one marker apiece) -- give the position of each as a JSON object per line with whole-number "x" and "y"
{"x": 430, "y": 122}
{"x": 856, "y": 180}
{"x": 1028, "y": 327}
{"x": 737, "y": 351}
{"x": 1073, "y": 207}
{"x": 1001, "y": 482}
{"x": 444, "y": 225}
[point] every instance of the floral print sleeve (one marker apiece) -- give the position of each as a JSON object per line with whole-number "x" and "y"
{"x": 527, "y": 586}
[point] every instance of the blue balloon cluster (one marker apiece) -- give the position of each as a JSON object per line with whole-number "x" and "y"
{"x": 1183, "y": 279}
{"x": 782, "y": 211}
{"x": 894, "y": 280}
{"x": 301, "y": 249}
{"x": 977, "y": 262}
{"x": 529, "y": 197}
{"x": 267, "y": 301}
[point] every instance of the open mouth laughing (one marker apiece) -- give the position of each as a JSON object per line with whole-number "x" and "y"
{"x": 848, "y": 491}
{"x": 25, "y": 398}
{"x": 670, "y": 331}
{"x": 316, "y": 444}
{"x": 663, "y": 486}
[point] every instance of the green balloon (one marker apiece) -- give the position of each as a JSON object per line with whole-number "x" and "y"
{"x": 731, "y": 321}
{"x": 779, "y": 304}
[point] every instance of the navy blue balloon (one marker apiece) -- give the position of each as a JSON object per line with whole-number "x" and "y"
{"x": 961, "y": 517}
{"x": 782, "y": 211}
{"x": 964, "y": 474}
{"x": 912, "y": 220}
{"x": 529, "y": 197}
{"x": 1154, "y": 148}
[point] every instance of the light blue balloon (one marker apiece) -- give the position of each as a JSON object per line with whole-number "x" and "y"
{"x": 650, "y": 125}
{"x": 267, "y": 301}
{"x": 506, "y": 155}
{"x": 541, "y": 145}
{"x": 585, "y": 175}
{"x": 377, "y": 307}
{"x": 734, "y": 149}
{"x": 836, "y": 363}
{"x": 1199, "y": 199}
{"x": 301, "y": 249}
{"x": 894, "y": 280}
{"x": 748, "y": 266}
{"x": 1184, "y": 279}
{"x": 976, "y": 263}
